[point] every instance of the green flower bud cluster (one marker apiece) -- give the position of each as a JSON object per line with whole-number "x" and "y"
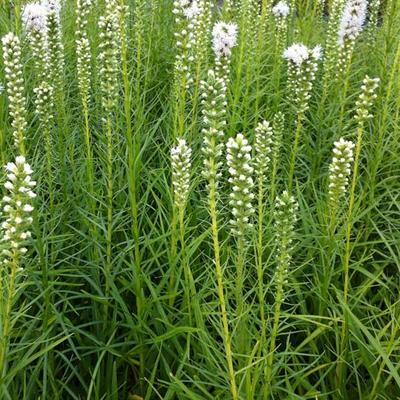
{"x": 213, "y": 94}
{"x": 285, "y": 219}
{"x": 181, "y": 164}
{"x": 108, "y": 56}
{"x": 366, "y": 99}
{"x": 83, "y": 52}
{"x": 15, "y": 87}
{"x": 241, "y": 181}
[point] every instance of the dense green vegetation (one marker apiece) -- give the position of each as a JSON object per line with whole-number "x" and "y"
{"x": 134, "y": 284}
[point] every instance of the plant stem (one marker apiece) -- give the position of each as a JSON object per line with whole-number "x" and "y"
{"x": 295, "y": 151}
{"x": 222, "y": 302}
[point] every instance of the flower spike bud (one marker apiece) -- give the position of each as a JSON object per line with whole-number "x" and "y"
{"x": 181, "y": 164}
{"x": 17, "y": 209}
{"x": 262, "y": 149}
{"x": 302, "y": 67}
{"x": 15, "y": 88}
{"x": 285, "y": 219}
{"x": 241, "y": 181}
{"x": 366, "y": 99}
{"x": 339, "y": 171}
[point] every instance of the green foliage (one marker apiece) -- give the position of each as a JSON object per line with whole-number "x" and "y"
{"x": 117, "y": 299}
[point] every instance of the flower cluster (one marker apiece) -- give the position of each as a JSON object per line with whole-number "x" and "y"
{"x": 44, "y": 103}
{"x": 34, "y": 16}
{"x": 55, "y": 46}
{"x": 224, "y": 38}
{"x": 339, "y": 170}
{"x": 285, "y": 219}
{"x": 213, "y": 93}
{"x": 83, "y": 48}
{"x": 302, "y": 66}
{"x": 15, "y": 87}
{"x": 185, "y": 18}
{"x": 281, "y": 10}
{"x": 181, "y": 163}
{"x": 262, "y": 148}
{"x": 240, "y": 170}
{"x": 351, "y": 24}
{"x": 201, "y": 31}
{"x": 331, "y": 46}
{"x": 17, "y": 209}
{"x": 352, "y": 21}
{"x": 108, "y": 56}
{"x": 366, "y": 99}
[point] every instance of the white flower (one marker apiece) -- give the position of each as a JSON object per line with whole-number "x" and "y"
{"x": 297, "y": 53}
{"x": 340, "y": 169}
{"x": 281, "y": 9}
{"x": 317, "y": 52}
{"x": 1, "y": 88}
{"x": 180, "y": 161}
{"x": 193, "y": 10}
{"x": 34, "y": 16}
{"x": 224, "y": 38}
{"x": 352, "y": 21}
{"x": 52, "y": 5}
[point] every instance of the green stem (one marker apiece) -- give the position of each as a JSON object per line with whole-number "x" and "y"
{"x": 221, "y": 293}
{"x": 295, "y": 151}
{"x": 346, "y": 260}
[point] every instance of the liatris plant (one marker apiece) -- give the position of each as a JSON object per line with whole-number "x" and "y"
{"x": 14, "y": 236}
{"x": 34, "y": 17}
{"x": 15, "y": 88}
{"x": 374, "y": 7}
{"x": 108, "y": 72}
{"x": 262, "y": 151}
{"x": 331, "y": 46}
{"x": 45, "y": 110}
{"x": 351, "y": 25}
{"x": 180, "y": 160}
{"x": 285, "y": 215}
{"x": 363, "y": 114}
{"x": 184, "y": 13}
{"x": 213, "y": 93}
{"x": 302, "y": 66}
{"x": 224, "y": 38}
{"x": 339, "y": 172}
{"x": 241, "y": 199}
{"x": 181, "y": 164}
{"x": 55, "y": 47}
{"x": 280, "y": 12}
{"x": 83, "y": 56}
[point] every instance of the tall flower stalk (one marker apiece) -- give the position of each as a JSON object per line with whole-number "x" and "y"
{"x": 109, "y": 73}
{"x": 363, "y": 114}
{"x": 181, "y": 164}
{"x": 184, "y": 13}
{"x": 213, "y": 92}
{"x": 83, "y": 66}
{"x": 285, "y": 218}
{"x": 302, "y": 67}
{"x": 241, "y": 199}
{"x": 262, "y": 162}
